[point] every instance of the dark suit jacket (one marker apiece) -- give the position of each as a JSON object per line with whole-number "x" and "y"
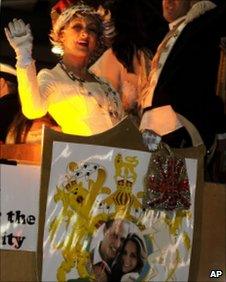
{"x": 189, "y": 76}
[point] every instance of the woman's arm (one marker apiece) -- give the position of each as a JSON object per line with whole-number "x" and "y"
{"x": 108, "y": 68}
{"x": 34, "y": 103}
{"x": 19, "y": 35}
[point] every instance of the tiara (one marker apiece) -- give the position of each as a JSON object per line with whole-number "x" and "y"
{"x": 65, "y": 9}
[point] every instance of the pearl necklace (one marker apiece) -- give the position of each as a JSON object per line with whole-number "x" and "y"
{"x": 70, "y": 74}
{"x": 112, "y": 112}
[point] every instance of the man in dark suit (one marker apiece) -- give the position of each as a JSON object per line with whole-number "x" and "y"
{"x": 184, "y": 73}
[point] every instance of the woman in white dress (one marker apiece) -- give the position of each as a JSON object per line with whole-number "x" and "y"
{"x": 79, "y": 101}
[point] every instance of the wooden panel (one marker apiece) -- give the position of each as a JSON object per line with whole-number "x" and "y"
{"x": 23, "y": 153}
{"x": 17, "y": 266}
{"x": 213, "y": 234}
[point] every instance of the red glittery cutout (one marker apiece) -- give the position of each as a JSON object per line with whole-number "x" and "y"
{"x": 167, "y": 183}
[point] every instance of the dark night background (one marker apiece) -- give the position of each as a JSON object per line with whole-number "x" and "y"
{"x": 37, "y": 13}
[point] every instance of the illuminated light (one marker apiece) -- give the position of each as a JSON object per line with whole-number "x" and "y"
{"x": 30, "y": 110}
{"x": 57, "y": 50}
{"x": 73, "y": 121}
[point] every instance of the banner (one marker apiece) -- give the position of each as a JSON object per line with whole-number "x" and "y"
{"x": 97, "y": 227}
{"x": 20, "y": 186}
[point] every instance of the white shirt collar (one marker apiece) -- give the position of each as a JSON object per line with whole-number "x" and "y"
{"x": 172, "y": 24}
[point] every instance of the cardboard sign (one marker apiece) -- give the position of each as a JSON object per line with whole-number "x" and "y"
{"x": 20, "y": 186}
{"x": 85, "y": 193}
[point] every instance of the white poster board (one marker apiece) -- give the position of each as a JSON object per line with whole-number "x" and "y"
{"x": 91, "y": 184}
{"x": 19, "y": 206}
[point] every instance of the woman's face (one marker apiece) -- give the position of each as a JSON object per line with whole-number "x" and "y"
{"x": 79, "y": 37}
{"x": 129, "y": 257}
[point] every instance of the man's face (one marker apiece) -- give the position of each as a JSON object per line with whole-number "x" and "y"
{"x": 113, "y": 239}
{"x": 174, "y": 9}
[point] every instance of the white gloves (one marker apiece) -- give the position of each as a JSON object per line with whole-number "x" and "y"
{"x": 20, "y": 38}
{"x": 151, "y": 139}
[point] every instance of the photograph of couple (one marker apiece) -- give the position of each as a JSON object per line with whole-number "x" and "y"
{"x": 118, "y": 252}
